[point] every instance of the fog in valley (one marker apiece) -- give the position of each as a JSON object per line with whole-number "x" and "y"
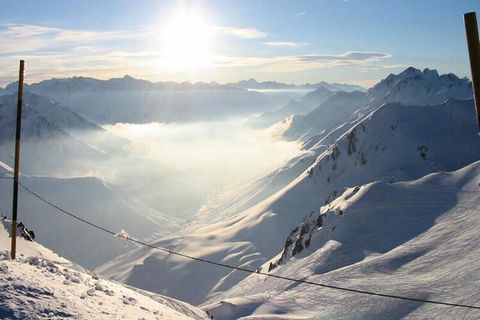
{"x": 176, "y": 167}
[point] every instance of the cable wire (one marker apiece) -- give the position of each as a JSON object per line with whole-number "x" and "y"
{"x": 345, "y": 289}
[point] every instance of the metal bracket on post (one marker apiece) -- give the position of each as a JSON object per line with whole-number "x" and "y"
{"x": 471, "y": 29}
{"x": 17, "y": 158}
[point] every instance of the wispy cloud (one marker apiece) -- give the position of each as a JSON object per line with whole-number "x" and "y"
{"x": 305, "y": 62}
{"x": 22, "y": 38}
{"x": 351, "y": 56}
{"x": 300, "y": 13}
{"x": 284, "y": 44}
{"x": 245, "y": 33}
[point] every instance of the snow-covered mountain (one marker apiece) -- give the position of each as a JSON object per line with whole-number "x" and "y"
{"x": 140, "y": 101}
{"x": 395, "y": 143}
{"x": 274, "y": 85}
{"x": 410, "y": 87}
{"x": 320, "y": 128}
{"x": 39, "y": 284}
{"x": 50, "y": 132}
{"x": 306, "y": 104}
{"x": 332, "y": 118}
{"x": 326, "y": 117}
{"x": 416, "y": 87}
{"x": 38, "y": 112}
{"x": 87, "y": 84}
{"x": 91, "y": 199}
{"x": 262, "y": 85}
{"x": 415, "y": 239}
{"x": 55, "y": 140}
{"x": 335, "y": 86}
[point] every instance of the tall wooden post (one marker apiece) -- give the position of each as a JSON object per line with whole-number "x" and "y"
{"x": 471, "y": 28}
{"x": 17, "y": 158}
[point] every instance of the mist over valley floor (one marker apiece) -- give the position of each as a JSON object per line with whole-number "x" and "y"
{"x": 176, "y": 167}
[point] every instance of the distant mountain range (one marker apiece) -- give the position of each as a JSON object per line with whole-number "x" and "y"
{"x": 139, "y": 101}
{"x": 87, "y": 84}
{"x": 136, "y": 101}
{"x": 78, "y": 84}
{"x": 273, "y": 85}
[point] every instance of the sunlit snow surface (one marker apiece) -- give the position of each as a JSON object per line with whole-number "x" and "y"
{"x": 417, "y": 239}
{"x": 39, "y": 284}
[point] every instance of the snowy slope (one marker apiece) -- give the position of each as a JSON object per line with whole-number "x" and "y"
{"x": 253, "y": 192}
{"x": 72, "y": 123}
{"x": 306, "y": 104}
{"x": 91, "y": 199}
{"x": 36, "y": 107}
{"x": 326, "y": 117}
{"x": 47, "y": 147}
{"x": 410, "y": 87}
{"x": 395, "y": 143}
{"x": 41, "y": 285}
{"x": 417, "y": 239}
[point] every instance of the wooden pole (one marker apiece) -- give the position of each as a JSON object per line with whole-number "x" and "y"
{"x": 471, "y": 29}
{"x": 17, "y": 158}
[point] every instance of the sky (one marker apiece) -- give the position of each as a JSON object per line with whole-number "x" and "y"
{"x": 348, "y": 41}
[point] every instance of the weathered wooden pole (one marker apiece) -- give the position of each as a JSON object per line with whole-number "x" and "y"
{"x": 17, "y": 159}
{"x": 471, "y": 28}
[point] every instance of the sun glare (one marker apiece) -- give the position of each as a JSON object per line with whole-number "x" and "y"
{"x": 185, "y": 41}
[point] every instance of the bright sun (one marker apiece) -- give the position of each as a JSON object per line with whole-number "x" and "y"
{"x": 185, "y": 41}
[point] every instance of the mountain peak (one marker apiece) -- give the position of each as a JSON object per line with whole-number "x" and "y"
{"x": 413, "y": 86}
{"x": 430, "y": 73}
{"x": 417, "y": 74}
{"x": 410, "y": 71}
